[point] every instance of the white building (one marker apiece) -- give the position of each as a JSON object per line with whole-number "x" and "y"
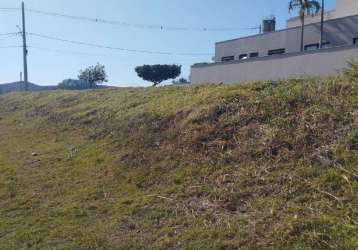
{"x": 276, "y": 54}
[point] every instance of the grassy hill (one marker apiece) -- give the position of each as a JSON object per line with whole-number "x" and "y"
{"x": 257, "y": 166}
{"x": 20, "y": 86}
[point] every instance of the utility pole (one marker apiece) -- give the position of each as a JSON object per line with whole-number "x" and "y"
{"x": 26, "y": 80}
{"x": 322, "y": 24}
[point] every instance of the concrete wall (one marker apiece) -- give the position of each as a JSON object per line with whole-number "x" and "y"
{"x": 346, "y": 8}
{"x": 323, "y": 62}
{"x": 296, "y": 21}
{"x": 338, "y": 32}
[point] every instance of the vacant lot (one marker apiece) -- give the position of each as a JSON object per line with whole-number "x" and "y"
{"x": 257, "y": 166}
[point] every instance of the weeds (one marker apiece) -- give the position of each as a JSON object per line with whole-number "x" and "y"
{"x": 255, "y": 166}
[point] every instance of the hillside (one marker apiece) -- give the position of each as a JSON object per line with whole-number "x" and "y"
{"x": 257, "y": 166}
{"x": 20, "y": 86}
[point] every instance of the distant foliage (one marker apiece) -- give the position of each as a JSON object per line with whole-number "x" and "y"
{"x": 93, "y": 75}
{"x": 181, "y": 80}
{"x": 72, "y": 84}
{"x": 158, "y": 73}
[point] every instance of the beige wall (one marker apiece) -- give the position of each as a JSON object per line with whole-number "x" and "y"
{"x": 318, "y": 63}
{"x": 296, "y": 22}
{"x": 346, "y": 8}
{"x": 339, "y": 32}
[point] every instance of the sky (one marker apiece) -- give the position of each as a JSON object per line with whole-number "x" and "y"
{"x": 53, "y": 61}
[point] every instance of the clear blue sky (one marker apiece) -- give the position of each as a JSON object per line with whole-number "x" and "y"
{"x": 49, "y": 67}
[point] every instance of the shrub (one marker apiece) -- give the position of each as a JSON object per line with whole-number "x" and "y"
{"x": 351, "y": 73}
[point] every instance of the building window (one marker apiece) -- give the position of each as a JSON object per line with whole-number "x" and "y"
{"x": 228, "y": 58}
{"x": 243, "y": 57}
{"x": 254, "y": 54}
{"x": 313, "y": 46}
{"x": 355, "y": 40}
{"x": 276, "y": 52}
{"x": 326, "y": 45}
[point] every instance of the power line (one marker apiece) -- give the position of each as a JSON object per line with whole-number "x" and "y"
{"x": 71, "y": 52}
{"x": 138, "y": 25}
{"x": 7, "y": 38}
{"x": 63, "y": 51}
{"x": 133, "y": 25}
{"x": 115, "y": 48}
{"x": 9, "y": 34}
{"x": 9, "y": 9}
{"x": 11, "y": 46}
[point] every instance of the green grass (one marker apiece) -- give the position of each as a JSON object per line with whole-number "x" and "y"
{"x": 255, "y": 166}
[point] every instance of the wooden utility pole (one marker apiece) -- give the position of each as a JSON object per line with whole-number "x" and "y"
{"x": 322, "y": 24}
{"x": 26, "y": 80}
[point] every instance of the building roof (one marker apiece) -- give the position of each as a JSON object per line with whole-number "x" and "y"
{"x": 285, "y": 29}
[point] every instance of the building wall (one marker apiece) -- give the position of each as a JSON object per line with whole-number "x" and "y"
{"x": 338, "y": 32}
{"x": 296, "y": 21}
{"x": 344, "y": 8}
{"x": 323, "y": 62}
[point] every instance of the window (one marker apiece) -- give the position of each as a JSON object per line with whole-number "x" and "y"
{"x": 276, "y": 52}
{"x": 243, "y": 57}
{"x": 227, "y": 58}
{"x": 326, "y": 45}
{"x": 355, "y": 40}
{"x": 254, "y": 54}
{"x": 313, "y": 46}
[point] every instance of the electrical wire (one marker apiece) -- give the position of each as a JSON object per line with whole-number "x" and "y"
{"x": 115, "y": 48}
{"x": 138, "y": 25}
{"x": 9, "y": 34}
{"x": 71, "y": 52}
{"x": 64, "y": 51}
{"x": 7, "y": 38}
{"x": 11, "y": 46}
{"x": 9, "y": 9}
{"x": 133, "y": 25}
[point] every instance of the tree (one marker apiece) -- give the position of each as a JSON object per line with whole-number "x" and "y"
{"x": 93, "y": 75}
{"x": 305, "y": 7}
{"x": 158, "y": 73}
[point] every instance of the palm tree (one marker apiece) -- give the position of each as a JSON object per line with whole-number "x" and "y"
{"x": 305, "y": 7}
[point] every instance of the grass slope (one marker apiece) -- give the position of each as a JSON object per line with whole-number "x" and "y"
{"x": 258, "y": 166}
